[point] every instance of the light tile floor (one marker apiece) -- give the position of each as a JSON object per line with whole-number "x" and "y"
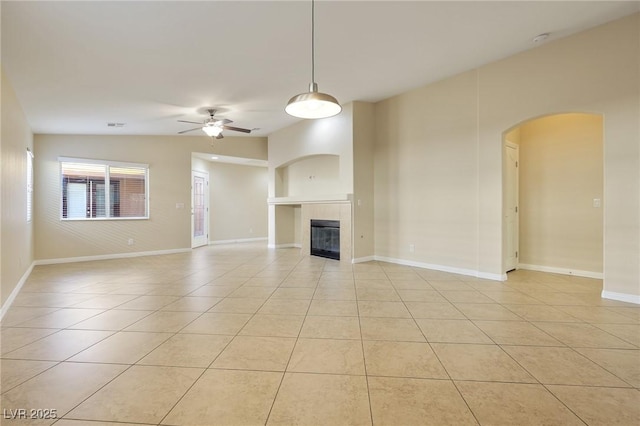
{"x": 243, "y": 335}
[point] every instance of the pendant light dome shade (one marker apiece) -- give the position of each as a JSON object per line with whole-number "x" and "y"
{"x": 313, "y": 104}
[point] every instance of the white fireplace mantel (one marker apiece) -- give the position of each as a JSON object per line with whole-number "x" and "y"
{"x": 301, "y": 199}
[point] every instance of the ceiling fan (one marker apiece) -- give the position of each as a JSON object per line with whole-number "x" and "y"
{"x": 213, "y": 126}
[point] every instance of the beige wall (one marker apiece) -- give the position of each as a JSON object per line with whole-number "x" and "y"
{"x": 307, "y": 138}
{"x": 199, "y": 164}
{"x": 238, "y": 202}
{"x": 285, "y": 218}
{"x": 169, "y": 159}
{"x": 363, "y": 141}
{"x": 16, "y": 234}
{"x": 561, "y": 173}
{"x": 438, "y": 152}
{"x": 314, "y": 175}
{"x": 297, "y": 226}
{"x": 426, "y": 175}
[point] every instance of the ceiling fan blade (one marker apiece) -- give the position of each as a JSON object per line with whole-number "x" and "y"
{"x": 221, "y": 121}
{"x": 192, "y": 122}
{"x": 190, "y": 130}
{"x": 236, "y": 129}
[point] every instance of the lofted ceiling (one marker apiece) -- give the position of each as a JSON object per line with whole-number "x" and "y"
{"x": 77, "y": 66}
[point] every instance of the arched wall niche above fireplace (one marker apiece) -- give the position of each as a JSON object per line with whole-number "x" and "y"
{"x": 307, "y": 176}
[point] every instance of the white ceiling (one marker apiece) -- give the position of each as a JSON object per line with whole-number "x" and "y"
{"x": 77, "y": 65}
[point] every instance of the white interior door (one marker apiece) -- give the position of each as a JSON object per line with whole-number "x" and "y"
{"x": 199, "y": 209}
{"x": 511, "y": 158}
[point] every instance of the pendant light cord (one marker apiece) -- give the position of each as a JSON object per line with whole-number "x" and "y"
{"x": 313, "y": 49}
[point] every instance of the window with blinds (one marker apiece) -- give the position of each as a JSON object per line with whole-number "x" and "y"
{"x": 104, "y": 190}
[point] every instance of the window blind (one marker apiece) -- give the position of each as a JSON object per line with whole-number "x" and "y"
{"x": 101, "y": 190}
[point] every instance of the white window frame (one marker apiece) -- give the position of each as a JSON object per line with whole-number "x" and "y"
{"x": 107, "y": 200}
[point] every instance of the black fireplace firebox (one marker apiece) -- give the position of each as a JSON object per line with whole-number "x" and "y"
{"x": 325, "y": 238}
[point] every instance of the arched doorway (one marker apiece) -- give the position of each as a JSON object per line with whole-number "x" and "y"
{"x": 554, "y": 223}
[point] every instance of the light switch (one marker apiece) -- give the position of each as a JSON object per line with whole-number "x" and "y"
{"x": 179, "y": 205}
{"x": 597, "y": 203}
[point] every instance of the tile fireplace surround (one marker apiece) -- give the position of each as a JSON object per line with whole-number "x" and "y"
{"x": 328, "y": 211}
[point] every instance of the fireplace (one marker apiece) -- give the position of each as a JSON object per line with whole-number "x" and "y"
{"x": 325, "y": 238}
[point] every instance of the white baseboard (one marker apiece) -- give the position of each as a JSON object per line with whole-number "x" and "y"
{"x": 562, "y": 271}
{"x": 622, "y": 297}
{"x": 364, "y": 259}
{"x": 109, "y": 256}
{"x": 287, "y": 245}
{"x": 238, "y": 241}
{"x": 16, "y": 290}
{"x": 453, "y": 270}
{"x": 490, "y": 276}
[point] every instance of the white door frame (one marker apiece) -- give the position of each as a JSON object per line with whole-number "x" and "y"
{"x": 201, "y": 240}
{"x": 511, "y": 234}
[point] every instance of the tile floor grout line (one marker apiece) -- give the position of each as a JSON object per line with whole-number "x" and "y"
{"x": 56, "y": 363}
{"x": 364, "y": 357}
{"x": 447, "y": 371}
{"x": 267, "y": 269}
{"x": 55, "y": 309}
{"x": 602, "y": 367}
{"x": 563, "y": 404}
{"x": 194, "y": 383}
{"x": 209, "y": 365}
{"x": 96, "y": 391}
{"x": 130, "y": 365}
{"x": 617, "y": 337}
{"x": 450, "y": 379}
{"x": 284, "y": 373}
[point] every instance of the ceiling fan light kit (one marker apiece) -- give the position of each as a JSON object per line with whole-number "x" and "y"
{"x": 212, "y": 130}
{"x": 213, "y": 126}
{"x": 313, "y": 104}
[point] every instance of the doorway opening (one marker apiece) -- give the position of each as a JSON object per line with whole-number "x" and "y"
{"x": 511, "y": 159}
{"x": 553, "y": 185}
{"x": 199, "y": 208}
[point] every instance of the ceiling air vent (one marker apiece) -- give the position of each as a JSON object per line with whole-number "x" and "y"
{"x": 115, "y": 124}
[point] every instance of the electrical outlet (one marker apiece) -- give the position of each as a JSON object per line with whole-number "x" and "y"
{"x": 130, "y": 241}
{"x": 251, "y": 230}
{"x": 412, "y": 248}
{"x": 597, "y": 202}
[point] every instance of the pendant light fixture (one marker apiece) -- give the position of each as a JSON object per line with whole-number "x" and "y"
{"x": 313, "y": 104}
